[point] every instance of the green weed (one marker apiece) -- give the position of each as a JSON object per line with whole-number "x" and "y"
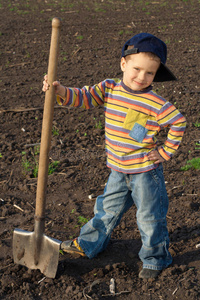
{"x": 196, "y": 124}
{"x": 52, "y": 167}
{"x": 99, "y": 125}
{"x": 30, "y": 166}
{"x": 167, "y": 41}
{"x": 192, "y": 164}
{"x": 23, "y": 12}
{"x": 82, "y": 221}
{"x": 28, "y": 54}
{"x": 1, "y": 155}
{"x": 99, "y": 10}
{"x": 55, "y": 131}
{"x": 30, "y": 163}
{"x": 80, "y": 37}
{"x": 36, "y": 150}
{"x": 197, "y": 146}
{"x": 35, "y": 170}
{"x": 26, "y": 164}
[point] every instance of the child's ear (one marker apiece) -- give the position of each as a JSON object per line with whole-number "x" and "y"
{"x": 123, "y": 64}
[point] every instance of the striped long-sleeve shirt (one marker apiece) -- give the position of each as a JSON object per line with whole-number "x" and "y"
{"x": 132, "y": 121}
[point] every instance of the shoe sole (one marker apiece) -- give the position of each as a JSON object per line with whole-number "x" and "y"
{"x": 73, "y": 252}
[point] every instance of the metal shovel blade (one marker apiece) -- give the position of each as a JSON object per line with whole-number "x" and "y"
{"x": 26, "y": 254}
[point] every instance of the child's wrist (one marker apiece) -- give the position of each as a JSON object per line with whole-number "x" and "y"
{"x": 63, "y": 93}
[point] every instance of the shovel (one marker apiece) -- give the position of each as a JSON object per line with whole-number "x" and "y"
{"x": 34, "y": 249}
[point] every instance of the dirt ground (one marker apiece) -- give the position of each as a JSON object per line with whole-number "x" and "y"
{"x": 92, "y": 35}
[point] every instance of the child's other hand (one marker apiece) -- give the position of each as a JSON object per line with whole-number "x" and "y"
{"x": 59, "y": 89}
{"x": 155, "y": 156}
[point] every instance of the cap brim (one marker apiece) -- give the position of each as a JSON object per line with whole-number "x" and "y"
{"x": 164, "y": 74}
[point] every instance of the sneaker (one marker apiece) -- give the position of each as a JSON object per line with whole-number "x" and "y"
{"x": 149, "y": 273}
{"x": 72, "y": 247}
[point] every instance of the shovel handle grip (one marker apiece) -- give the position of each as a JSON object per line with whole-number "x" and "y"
{"x": 47, "y": 121}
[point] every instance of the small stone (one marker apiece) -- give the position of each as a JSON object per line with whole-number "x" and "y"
{"x": 107, "y": 269}
{"x": 69, "y": 289}
{"x": 145, "y": 288}
{"x": 123, "y": 225}
{"x": 183, "y": 268}
{"x": 4, "y": 212}
{"x": 172, "y": 251}
{"x": 115, "y": 266}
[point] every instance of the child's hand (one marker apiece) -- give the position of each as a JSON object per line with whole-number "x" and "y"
{"x": 59, "y": 89}
{"x": 155, "y": 156}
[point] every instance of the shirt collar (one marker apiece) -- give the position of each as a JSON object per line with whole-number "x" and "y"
{"x": 148, "y": 89}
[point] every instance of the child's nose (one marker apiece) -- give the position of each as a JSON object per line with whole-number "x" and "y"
{"x": 141, "y": 76}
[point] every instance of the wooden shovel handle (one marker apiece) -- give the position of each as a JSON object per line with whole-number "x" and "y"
{"x": 47, "y": 122}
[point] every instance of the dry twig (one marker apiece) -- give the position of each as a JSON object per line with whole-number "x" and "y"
{"x": 20, "y": 64}
{"x": 30, "y": 205}
{"x": 32, "y": 145}
{"x": 5, "y": 267}
{"x": 189, "y": 194}
{"x": 75, "y": 52}
{"x": 16, "y": 206}
{"x": 41, "y": 280}
{"x": 2, "y": 181}
{"x": 176, "y": 289}
{"x": 90, "y": 286}
{"x": 29, "y": 109}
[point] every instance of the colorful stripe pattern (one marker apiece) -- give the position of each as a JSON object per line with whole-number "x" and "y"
{"x": 132, "y": 121}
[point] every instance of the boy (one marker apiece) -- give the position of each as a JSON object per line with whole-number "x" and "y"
{"x": 134, "y": 114}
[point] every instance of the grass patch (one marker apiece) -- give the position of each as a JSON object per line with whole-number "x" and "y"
{"x": 53, "y": 166}
{"x": 192, "y": 164}
{"x": 30, "y": 163}
{"x": 98, "y": 125}
{"x": 82, "y": 221}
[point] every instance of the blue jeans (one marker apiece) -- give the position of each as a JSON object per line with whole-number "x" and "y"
{"x": 147, "y": 191}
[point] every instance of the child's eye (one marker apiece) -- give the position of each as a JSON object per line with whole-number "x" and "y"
{"x": 136, "y": 68}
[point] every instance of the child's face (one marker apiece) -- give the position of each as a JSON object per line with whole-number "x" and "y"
{"x": 139, "y": 70}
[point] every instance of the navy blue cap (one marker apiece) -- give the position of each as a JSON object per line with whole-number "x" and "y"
{"x": 146, "y": 42}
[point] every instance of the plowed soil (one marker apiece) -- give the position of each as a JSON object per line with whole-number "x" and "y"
{"x": 92, "y": 35}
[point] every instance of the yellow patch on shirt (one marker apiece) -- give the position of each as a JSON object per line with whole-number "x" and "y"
{"x": 133, "y": 117}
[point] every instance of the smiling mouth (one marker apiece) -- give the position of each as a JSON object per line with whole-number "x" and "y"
{"x": 139, "y": 83}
